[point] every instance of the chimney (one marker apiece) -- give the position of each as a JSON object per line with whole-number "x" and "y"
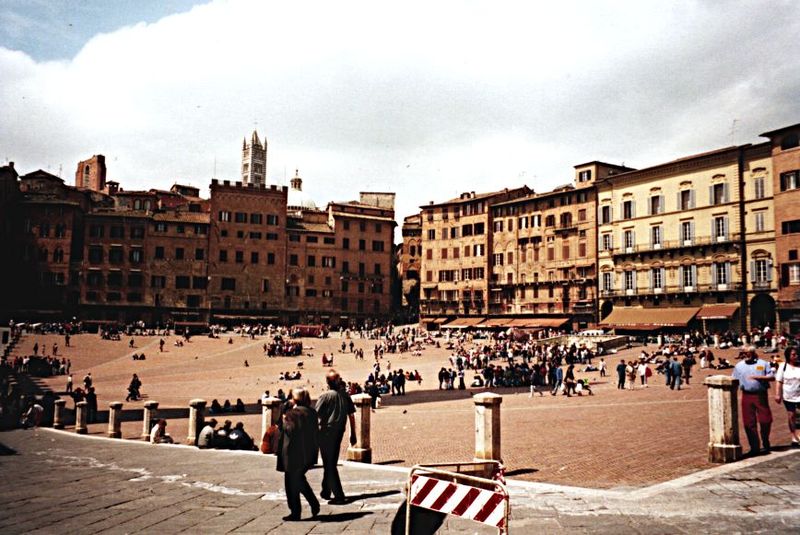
{"x": 11, "y": 165}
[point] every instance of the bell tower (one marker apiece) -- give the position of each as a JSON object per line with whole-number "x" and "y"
{"x": 254, "y": 160}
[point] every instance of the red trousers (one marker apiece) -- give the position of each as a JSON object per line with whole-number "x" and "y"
{"x": 755, "y": 408}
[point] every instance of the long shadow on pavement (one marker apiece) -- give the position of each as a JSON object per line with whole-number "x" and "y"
{"x": 366, "y": 496}
{"x": 342, "y": 517}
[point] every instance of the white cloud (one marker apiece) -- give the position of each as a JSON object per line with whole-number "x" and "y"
{"x": 423, "y": 98}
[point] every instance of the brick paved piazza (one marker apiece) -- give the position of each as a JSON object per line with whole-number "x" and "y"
{"x": 610, "y": 440}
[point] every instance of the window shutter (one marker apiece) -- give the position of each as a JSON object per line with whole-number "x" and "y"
{"x": 600, "y": 214}
{"x": 663, "y": 277}
{"x": 691, "y": 198}
{"x": 662, "y": 204}
{"x": 678, "y": 202}
{"x": 633, "y": 209}
{"x": 725, "y": 196}
{"x": 752, "y": 271}
{"x": 650, "y": 278}
{"x": 714, "y": 230}
{"x": 694, "y": 275}
{"x": 650, "y": 206}
{"x": 784, "y": 275}
{"x": 728, "y": 273}
{"x": 713, "y": 269}
{"x": 633, "y": 239}
{"x": 725, "y": 227}
{"x": 691, "y": 230}
{"x": 711, "y": 195}
{"x": 622, "y": 210}
{"x": 769, "y": 270}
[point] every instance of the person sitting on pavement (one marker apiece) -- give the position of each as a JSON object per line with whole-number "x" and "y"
{"x": 158, "y": 435}
{"x": 205, "y": 439}
{"x": 222, "y": 436}
{"x": 239, "y": 407}
{"x": 239, "y": 439}
{"x": 216, "y": 408}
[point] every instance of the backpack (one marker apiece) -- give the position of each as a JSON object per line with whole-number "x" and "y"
{"x": 269, "y": 443}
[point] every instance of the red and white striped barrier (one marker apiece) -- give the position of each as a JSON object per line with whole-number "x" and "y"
{"x": 484, "y": 506}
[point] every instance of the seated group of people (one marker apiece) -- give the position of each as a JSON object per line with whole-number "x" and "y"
{"x": 226, "y": 437}
{"x": 216, "y": 408}
{"x": 136, "y": 356}
{"x": 290, "y": 376}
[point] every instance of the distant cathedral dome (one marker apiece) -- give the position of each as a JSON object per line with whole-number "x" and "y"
{"x": 299, "y": 199}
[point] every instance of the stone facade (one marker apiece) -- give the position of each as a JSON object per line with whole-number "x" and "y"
{"x": 785, "y": 150}
{"x": 91, "y": 173}
{"x": 409, "y": 260}
{"x": 673, "y": 235}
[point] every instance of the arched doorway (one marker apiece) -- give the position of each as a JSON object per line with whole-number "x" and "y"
{"x": 762, "y": 311}
{"x": 605, "y": 309}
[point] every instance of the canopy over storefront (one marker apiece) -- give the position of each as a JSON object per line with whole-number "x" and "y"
{"x": 648, "y": 319}
{"x": 463, "y": 323}
{"x": 717, "y": 312}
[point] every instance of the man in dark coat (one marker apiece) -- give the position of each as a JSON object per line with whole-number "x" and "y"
{"x": 297, "y": 452}
{"x": 334, "y": 409}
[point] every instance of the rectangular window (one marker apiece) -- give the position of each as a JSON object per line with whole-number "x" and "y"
{"x": 95, "y": 231}
{"x": 179, "y": 253}
{"x": 329, "y": 261}
{"x": 362, "y": 269}
{"x": 362, "y": 245}
{"x": 657, "y": 278}
{"x": 312, "y": 239}
{"x": 721, "y": 273}
{"x": 498, "y": 226}
{"x": 114, "y": 278}
{"x": 630, "y": 281}
{"x": 377, "y": 246}
{"x": 607, "y": 244}
{"x": 655, "y": 237}
{"x": 228, "y": 284}
{"x": 582, "y": 249}
{"x": 794, "y": 273}
{"x": 293, "y": 260}
{"x": 240, "y": 257}
{"x": 608, "y": 281}
{"x": 254, "y": 257}
{"x": 687, "y": 232}
{"x": 158, "y": 281}
{"x": 718, "y": 194}
{"x": 199, "y": 283}
{"x": 720, "y": 229}
{"x": 759, "y": 221}
{"x": 585, "y": 176}
{"x": 478, "y": 249}
{"x": 272, "y": 219}
{"x": 137, "y": 233}
{"x": 311, "y": 261}
{"x": 224, "y": 216}
{"x": 628, "y": 241}
{"x": 182, "y": 282}
{"x": 686, "y": 199}
{"x": 116, "y": 255}
{"x": 329, "y": 241}
{"x": 790, "y": 180}
{"x": 758, "y": 186}
{"x": 688, "y": 277}
{"x": 255, "y": 219}
{"x": 161, "y": 227}
{"x": 605, "y": 215}
{"x": 135, "y": 279}
{"x": 628, "y": 211}
{"x": 761, "y": 273}
{"x": 117, "y": 231}
{"x": 270, "y": 258}
{"x": 444, "y": 254}
{"x": 790, "y": 227}
{"x": 180, "y": 229}
{"x": 255, "y": 235}
{"x": 136, "y": 255}
{"x": 656, "y": 205}
{"x": 497, "y": 259}
{"x": 223, "y": 255}
{"x": 240, "y": 217}
{"x": 199, "y": 254}
{"x": 478, "y": 229}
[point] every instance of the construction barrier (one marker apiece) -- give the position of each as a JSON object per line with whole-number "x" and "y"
{"x": 460, "y": 493}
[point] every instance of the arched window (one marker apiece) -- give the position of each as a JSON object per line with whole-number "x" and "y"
{"x": 58, "y": 256}
{"x": 86, "y": 171}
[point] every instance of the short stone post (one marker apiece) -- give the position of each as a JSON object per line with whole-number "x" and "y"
{"x": 197, "y": 415}
{"x": 362, "y": 451}
{"x": 58, "y": 413}
{"x": 80, "y": 417}
{"x": 487, "y": 426}
{"x": 270, "y": 413}
{"x": 150, "y": 408}
{"x": 115, "y": 419}
{"x": 723, "y": 419}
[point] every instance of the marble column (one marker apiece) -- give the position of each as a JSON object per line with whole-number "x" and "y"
{"x": 115, "y": 419}
{"x": 723, "y": 419}
{"x": 150, "y": 408}
{"x": 197, "y": 414}
{"x": 487, "y": 426}
{"x": 362, "y": 451}
{"x": 81, "y": 411}
{"x": 58, "y": 413}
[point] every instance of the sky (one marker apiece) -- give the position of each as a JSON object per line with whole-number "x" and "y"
{"x": 426, "y": 99}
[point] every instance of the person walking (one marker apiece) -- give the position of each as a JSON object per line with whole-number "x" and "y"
{"x": 787, "y": 391}
{"x": 297, "y": 453}
{"x": 69, "y": 384}
{"x": 642, "y": 370}
{"x": 558, "y": 379}
{"x": 753, "y": 375}
{"x": 602, "y": 366}
{"x": 334, "y": 409}
{"x": 675, "y": 370}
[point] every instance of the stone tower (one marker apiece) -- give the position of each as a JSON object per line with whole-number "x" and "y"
{"x": 254, "y": 160}
{"x": 91, "y": 173}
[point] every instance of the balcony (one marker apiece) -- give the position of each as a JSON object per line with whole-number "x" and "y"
{"x": 673, "y": 290}
{"x": 762, "y": 285}
{"x": 675, "y": 245}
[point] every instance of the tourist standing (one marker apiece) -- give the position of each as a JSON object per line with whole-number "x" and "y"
{"x": 297, "y": 453}
{"x": 334, "y": 409}
{"x": 621, "y": 375}
{"x": 753, "y": 375}
{"x": 787, "y": 390}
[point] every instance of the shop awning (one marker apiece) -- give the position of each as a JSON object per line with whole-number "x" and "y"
{"x": 550, "y": 322}
{"x": 717, "y": 312}
{"x": 462, "y": 323}
{"x": 496, "y": 322}
{"x": 643, "y": 319}
{"x": 191, "y": 324}
{"x": 437, "y": 321}
{"x": 243, "y": 317}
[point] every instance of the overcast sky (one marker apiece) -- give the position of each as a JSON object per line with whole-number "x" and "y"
{"x": 427, "y": 99}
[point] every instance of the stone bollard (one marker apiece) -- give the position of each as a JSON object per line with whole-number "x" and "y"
{"x": 80, "y": 418}
{"x": 362, "y": 451}
{"x": 115, "y": 419}
{"x": 197, "y": 414}
{"x": 487, "y": 426}
{"x": 723, "y": 419}
{"x": 58, "y": 413}
{"x": 150, "y": 408}
{"x": 270, "y": 413}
